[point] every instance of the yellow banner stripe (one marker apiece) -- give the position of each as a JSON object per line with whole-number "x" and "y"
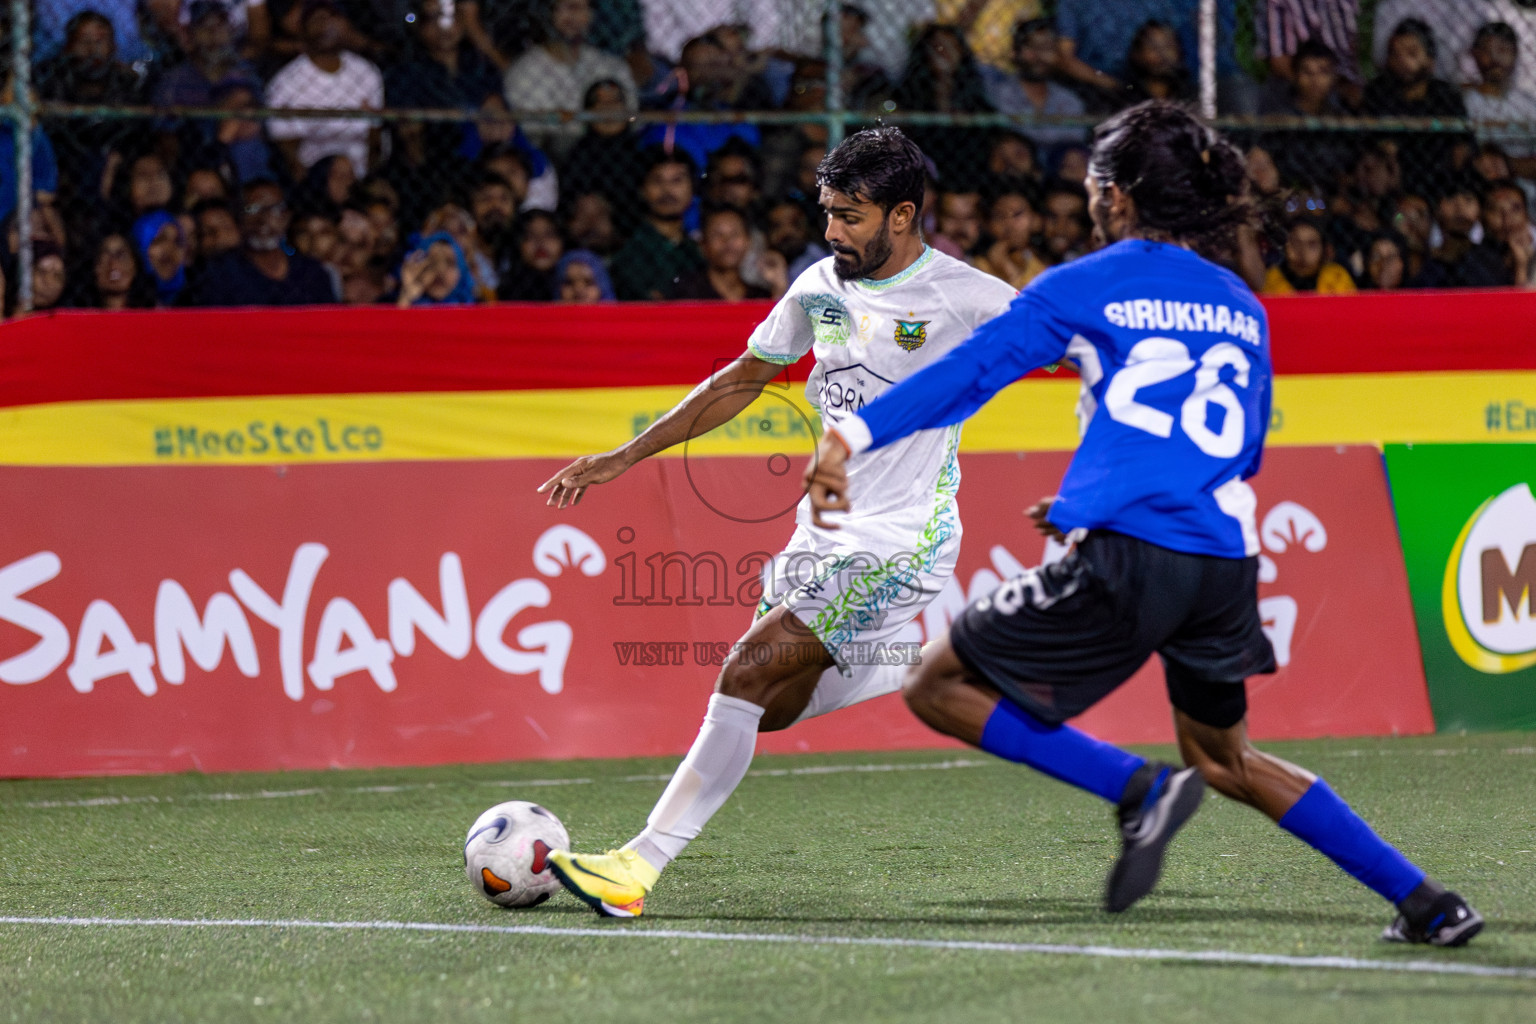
{"x": 1033, "y": 415}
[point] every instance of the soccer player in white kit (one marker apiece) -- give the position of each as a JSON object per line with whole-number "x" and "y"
{"x": 883, "y": 306}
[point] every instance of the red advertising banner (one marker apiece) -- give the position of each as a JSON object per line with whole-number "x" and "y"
{"x": 79, "y": 356}
{"x": 227, "y": 618}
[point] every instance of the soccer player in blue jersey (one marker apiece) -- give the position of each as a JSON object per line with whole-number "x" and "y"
{"x": 1173, "y": 351}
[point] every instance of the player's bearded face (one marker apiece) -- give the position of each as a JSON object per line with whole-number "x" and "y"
{"x": 851, "y": 263}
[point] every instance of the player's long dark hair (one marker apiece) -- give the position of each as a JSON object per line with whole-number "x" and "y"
{"x": 876, "y": 165}
{"x": 1186, "y": 180}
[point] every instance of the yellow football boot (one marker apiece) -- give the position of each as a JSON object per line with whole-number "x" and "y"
{"x": 614, "y": 883}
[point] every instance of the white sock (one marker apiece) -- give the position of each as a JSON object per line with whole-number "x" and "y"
{"x": 714, "y": 767}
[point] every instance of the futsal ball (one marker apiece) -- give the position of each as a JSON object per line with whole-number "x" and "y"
{"x": 506, "y": 854}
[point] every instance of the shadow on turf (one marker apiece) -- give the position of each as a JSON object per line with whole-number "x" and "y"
{"x": 1024, "y": 911}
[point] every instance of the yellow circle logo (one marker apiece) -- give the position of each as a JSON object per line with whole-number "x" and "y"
{"x": 1488, "y": 597}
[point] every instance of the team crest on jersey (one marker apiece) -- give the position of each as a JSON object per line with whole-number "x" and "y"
{"x": 910, "y": 334}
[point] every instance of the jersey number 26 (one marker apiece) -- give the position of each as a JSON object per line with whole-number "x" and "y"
{"x": 1155, "y": 360}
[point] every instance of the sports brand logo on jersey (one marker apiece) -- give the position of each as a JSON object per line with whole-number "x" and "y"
{"x": 910, "y": 334}
{"x": 830, "y": 320}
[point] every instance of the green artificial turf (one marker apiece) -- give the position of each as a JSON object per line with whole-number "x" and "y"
{"x": 980, "y": 851}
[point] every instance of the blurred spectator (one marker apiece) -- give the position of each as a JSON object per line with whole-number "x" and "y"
{"x": 1282, "y": 27}
{"x": 161, "y": 247}
{"x": 52, "y": 18}
{"x": 1507, "y": 227}
{"x": 1462, "y": 260}
{"x": 237, "y": 146}
{"x": 1012, "y": 155}
{"x": 889, "y": 26}
{"x": 659, "y": 251}
{"x": 115, "y": 280}
{"x": 987, "y": 25}
{"x": 493, "y": 206}
{"x": 582, "y": 278}
{"x": 556, "y": 74}
{"x": 218, "y": 231}
{"x": 1306, "y": 266}
{"x": 1386, "y": 263}
{"x": 1262, "y": 170}
{"x": 211, "y": 59}
{"x": 725, "y": 245}
{"x": 50, "y": 278}
{"x": 1496, "y": 50}
{"x": 538, "y": 247}
{"x": 261, "y": 272}
{"x": 789, "y": 234}
{"x": 444, "y": 71}
{"x": 589, "y": 223}
{"x": 942, "y": 76}
{"x": 1320, "y": 156}
{"x": 671, "y": 24}
{"x": 363, "y": 277}
{"x": 1407, "y": 89}
{"x": 87, "y": 70}
{"x": 733, "y": 176}
{"x": 326, "y": 76}
{"x": 250, "y": 23}
{"x": 1454, "y": 25}
{"x": 1072, "y": 165}
{"x": 435, "y": 274}
{"x": 1096, "y": 40}
{"x": 45, "y": 171}
{"x": 1031, "y": 88}
{"x": 710, "y": 82}
{"x": 1011, "y": 225}
{"x": 1411, "y": 221}
{"x": 866, "y": 85}
{"x": 527, "y": 170}
{"x": 1154, "y": 67}
{"x": 606, "y": 159}
{"x": 1065, "y": 225}
{"x": 1359, "y": 207}
{"x": 364, "y": 24}
{"x": 136, "y": 184}
{"x": 959, "y": 218}
{"x": 484, "y": 273}
{"x": 315, "y": 233}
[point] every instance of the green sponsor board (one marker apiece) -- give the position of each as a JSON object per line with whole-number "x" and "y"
{"x": 1468, "y": 523}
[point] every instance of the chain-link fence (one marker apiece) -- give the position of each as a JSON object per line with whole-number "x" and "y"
{"x": 236, "y": 152}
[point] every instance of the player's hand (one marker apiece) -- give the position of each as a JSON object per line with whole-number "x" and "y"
{"x": 1038, "y": 511}
{"x": 826, "y": 479}
{"x": 567, "y": 486}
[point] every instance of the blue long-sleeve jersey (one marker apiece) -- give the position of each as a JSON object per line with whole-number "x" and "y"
{"x": 1174, "y": 357}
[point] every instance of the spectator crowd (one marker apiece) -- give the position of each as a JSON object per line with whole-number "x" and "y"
{"x": 491, "y": 198}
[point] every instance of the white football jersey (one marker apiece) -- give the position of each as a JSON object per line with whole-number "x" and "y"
{"x": 867, "y": 336}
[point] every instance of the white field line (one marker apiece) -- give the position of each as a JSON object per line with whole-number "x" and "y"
{"x": 1196, "y": 956}
{"x": 269, "y": 794}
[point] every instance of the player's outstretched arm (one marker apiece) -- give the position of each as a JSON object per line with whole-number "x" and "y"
{"x": 715, "y": 401}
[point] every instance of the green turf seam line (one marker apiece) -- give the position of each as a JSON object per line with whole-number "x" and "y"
{"x": 1195, "y": 956}
{"x": 286, "y": 794}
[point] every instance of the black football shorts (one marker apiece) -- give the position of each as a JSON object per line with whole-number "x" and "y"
{"x": 1058, "y": 639}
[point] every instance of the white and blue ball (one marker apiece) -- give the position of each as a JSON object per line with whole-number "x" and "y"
{"x": 506, "y": 854}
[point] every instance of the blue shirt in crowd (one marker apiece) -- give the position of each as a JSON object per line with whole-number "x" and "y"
{"x": 45, "y": 169}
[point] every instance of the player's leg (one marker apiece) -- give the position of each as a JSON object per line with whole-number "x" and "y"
{"x": 765, "y": 684}
{"x": 952, "y": 700}
{"x": 1304, "y": 805}
{"x": 1067, "y": 621}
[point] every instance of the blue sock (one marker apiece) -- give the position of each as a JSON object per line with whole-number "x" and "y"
{"x": 1327, "y": 824}
{"x": 1059, "y": 751}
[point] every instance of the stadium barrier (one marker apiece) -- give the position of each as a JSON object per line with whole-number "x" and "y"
{"x": 317, "y": 541}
